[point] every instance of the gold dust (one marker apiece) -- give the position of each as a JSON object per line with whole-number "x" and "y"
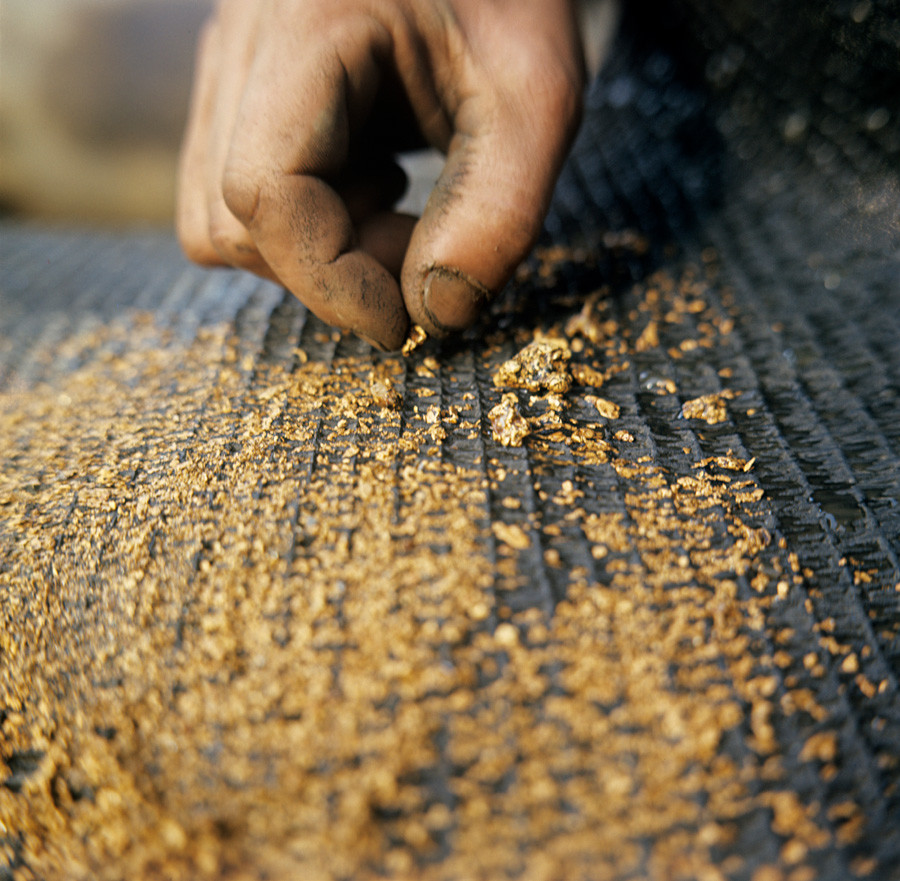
{"x": 257, "y": 633}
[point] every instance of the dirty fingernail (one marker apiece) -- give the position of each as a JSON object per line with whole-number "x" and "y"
{"x": 374, "y": 343}
{"x": 451, "y": 300}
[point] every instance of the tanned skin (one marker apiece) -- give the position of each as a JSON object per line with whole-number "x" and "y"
{"x": 298, "y": 110}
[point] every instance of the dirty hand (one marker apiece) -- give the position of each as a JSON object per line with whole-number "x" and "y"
{"x": 299, "y": 108}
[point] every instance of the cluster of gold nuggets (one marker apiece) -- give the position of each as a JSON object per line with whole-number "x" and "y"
{"x": 255, "y": 624}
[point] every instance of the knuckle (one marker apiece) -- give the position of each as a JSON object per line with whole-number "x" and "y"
{"x": 229, "y": 244}
{"x": 222, "y": 240}
{"x": 241, "y": 192}
{"x": 196, "y": 244}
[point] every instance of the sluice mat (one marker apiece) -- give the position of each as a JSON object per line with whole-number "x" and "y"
{"x": 625, "y": 607}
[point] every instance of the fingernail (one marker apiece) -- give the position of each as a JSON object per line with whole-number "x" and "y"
{"x": 451, "y": 300}
{"x": 374, "y": 343}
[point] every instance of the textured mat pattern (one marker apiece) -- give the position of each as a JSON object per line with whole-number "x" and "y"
{"x": 274, "y": 605}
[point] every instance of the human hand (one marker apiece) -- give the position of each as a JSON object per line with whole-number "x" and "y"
{"x": 299, "y": 108}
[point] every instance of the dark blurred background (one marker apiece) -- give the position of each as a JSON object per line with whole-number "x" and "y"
{"x": 93, "y": 96}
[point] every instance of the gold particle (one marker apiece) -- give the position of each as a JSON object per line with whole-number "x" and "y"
{"x": 506, "y": 635}
{"x": 584, "y": 374}
{"x": 416, "y": 337}
{"x": 607, "y": 409}
{"x": 541, "y": 365}
{"x": 709, "y": 408}
{"x": 479, "y": 611}
{"x": 511, "y": 534}
{"x": 508, "y": 425}
{"x": 850, "y": 664}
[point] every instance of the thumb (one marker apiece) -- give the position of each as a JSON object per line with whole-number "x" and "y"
{"x": 487, "y": 208}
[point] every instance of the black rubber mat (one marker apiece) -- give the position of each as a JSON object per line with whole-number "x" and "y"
{"x": 735, "y": 243}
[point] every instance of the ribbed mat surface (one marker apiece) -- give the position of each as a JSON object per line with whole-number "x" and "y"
{"x": 262, "y": 617}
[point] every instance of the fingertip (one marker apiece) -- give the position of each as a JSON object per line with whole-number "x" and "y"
{"x": 192, "y": 230}
{"x": 388, "y": 347}
{"x": 386, "y": 332}
{"x": 480, "y": 221}
{"x": 451, "y": 300}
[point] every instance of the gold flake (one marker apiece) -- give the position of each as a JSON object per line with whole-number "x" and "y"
{"x": 607, "y": 409}
{"x": 542, "y": 364}
{"x": 709, "y": 408}
{"x": 508, "y": 425}
{"x": 511, "y": 534}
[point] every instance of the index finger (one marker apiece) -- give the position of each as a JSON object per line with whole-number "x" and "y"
{"x": 292, "y": 132}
